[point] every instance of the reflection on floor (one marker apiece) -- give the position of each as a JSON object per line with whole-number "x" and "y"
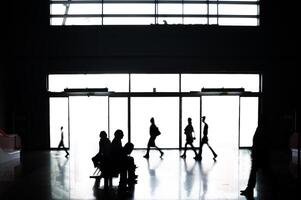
{"x": 49, "y": 175}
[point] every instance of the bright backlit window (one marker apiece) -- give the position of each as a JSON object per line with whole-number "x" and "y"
{"x": 148, "y": 12}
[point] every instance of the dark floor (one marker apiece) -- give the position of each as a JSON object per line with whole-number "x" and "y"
{"x": 49, "y": 175}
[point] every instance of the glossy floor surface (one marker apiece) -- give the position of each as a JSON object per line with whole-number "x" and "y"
{"x": 50, "y": 175}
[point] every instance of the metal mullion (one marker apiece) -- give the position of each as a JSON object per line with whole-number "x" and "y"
{"x": 66, "y": 13}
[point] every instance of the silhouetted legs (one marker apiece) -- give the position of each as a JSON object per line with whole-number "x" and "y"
{"x": 63, "y": 146}
{"x": 201, "y": 150}
{"x": 148, "y": 149}
{"x": 185, "y": 149}
{"x": 252, "y": 180}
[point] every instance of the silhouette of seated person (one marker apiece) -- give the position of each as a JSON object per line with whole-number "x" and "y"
{"x": 102, "y": 159}
{"x": 189, "y": 139}
{"x": 205, "y": 140}
{"x": 127, "y": 168}
{"x": 117, "y": 155}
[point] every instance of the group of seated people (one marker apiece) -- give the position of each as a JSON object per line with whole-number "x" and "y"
{"x": 113, "y": 159}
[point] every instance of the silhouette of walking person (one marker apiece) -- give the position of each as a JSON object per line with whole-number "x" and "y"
{"x": 61, "y": 144}
{"x": 258, "y": 154}
{"x": 154, "y": 132}
{"x": 189, "y": 138}
{"x": 205, "y": 140}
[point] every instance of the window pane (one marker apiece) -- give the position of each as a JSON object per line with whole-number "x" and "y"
{"x": 191, "y": 108}
{"x": 85, "y": 9}
{"x": 238, "y": 21}
{"x": 88, "y": 116}
{"x": 57, "y": 9}
{"x": 58, "y": 115}
{"x": 162, "y": 82}
{"x": 195, "y": 82}
{"x": 165, "y": 111}
{"x": 165, "y": 8}
{"x": 128, "y": 20}
{"x": 170, "y": 20}
{"x": 195, "y": 9}
{"x": 130, "y": 8}
{"x": 83, "y": 21}
{"x": 222, "y": 114}
{"x": 226, "y": 9}
{"x": 248, "y": 120}
{"x": 195, "y": 20}
{"x": 54, "y": 21}
{"x": 114, "y": 82}
{"x": 119, "y": 117}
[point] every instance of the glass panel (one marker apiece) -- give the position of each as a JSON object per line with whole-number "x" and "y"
{"x": 128, "y": 20}
{"x": 165, "y": 111}
{"x": 168, "y": 8}
{"x": 88, "y": 116}
{"x": 213, "y": 9}
{"x": 83, "y": 21}
{"x": 86, "y": 9}
{"x": 195, "y": 9}
{"x": 162, "y": 82}
{"x": 222, "y": 114}
{"x": 226, "y": 9}
{"x": 238, "y": 21}
{"x": 58, "y": 112}
{"x": 248, "y": 120}
{"x": 195, "y": 82}
{"x": 130, "y": 8}
{"x": 114, "y": 82}
{"x": 195, "y": 20}
{"x": 191, "y": 108}
{"x": 119, "y": 116}
{"x": 57, "y": 9}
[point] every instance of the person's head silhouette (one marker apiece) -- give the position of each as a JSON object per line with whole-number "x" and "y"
{"x": 118, "y": 134}
{"x": 102, "y": 134}
{"x": 152, "y": 120}
{"x": 61, "y": 127}
{"x": 189, "y": 120}
{"x": 128, "y": 148}
{"x": 203, "y": 118}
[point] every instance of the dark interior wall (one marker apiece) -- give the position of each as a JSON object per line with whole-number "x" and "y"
{"x": 37, "y": 49}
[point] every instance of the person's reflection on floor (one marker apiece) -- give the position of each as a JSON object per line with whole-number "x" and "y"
{"x": 204, "y": 179}
{"x": 154, "y": 181}
{"x": 189, "y": 177}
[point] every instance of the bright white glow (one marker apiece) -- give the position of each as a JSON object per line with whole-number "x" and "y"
{"x": 222, "y": 114}
{"x": 225, "y": 9}
{"x": 162, "y": 82}
{"x": 191, "y": 108}
{"x": 195, "y": 82}
{"x": 195, "y": 9}
{"x": 248, "y": 120}
{"x": 131, "y": 8}
{"x": 83, "y": 21}
{"x": 165, "y": 111}
{"x": 58, "y": 112}
{"x": 94, "y": 8}
{"x": 119, "y": 116}
{"x": 212, "y": 9}
{"x": 128, "y": 20}
{"x": 169, "y": 8}
{"x": 238, "y": 21}
{"x": 114, "y": 82}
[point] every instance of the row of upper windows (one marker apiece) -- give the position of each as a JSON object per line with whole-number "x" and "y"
{"x": 147, "y": 82}
{"x": 218, "y": 12}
